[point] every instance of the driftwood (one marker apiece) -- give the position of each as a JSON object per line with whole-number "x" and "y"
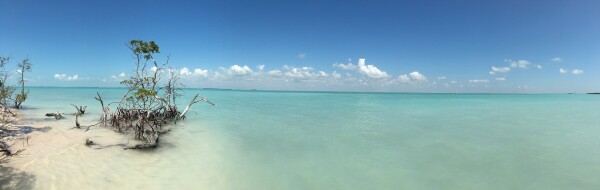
{"x": 56, "y": 115}
{"x": 5, "y": 150}
{"x": 142, "y": 146}
{"x": 80, "y": 109}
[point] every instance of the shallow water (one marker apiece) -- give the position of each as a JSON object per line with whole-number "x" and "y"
{"x": 308, "y": 140}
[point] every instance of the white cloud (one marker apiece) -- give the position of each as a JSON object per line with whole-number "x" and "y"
{"x": 122, "y": 75}
{"x": 237, "y": 70}
{"x": 577, "y": 71}
{"x": 403, "y": 79}
{"x": 348, "y": 67}
{"x": 501, "y": 78}
{"x": 336, "y": 75}
{"x": 185, "y": 71}
{"x": 441, "y": 78}
{"x": 275, "y": 73}
{"x": 538, "y": 66}
{"x": 200, "y": 72}
{"x": 260, "y": 67}
{"x": 323, "y": 74}
{"x": 370, "y": 70}
{"x": 302, "y": 55}
{"x": 154, "y": 69}
{"x": 523, "y": 64}
{"x": 298, "y": 73}
{"x": 556, "y": 59}
{"x": 563, "y": 71}
{"x": 453, "y": 82}
{"x": 65, "y": 77}
{"x": 414, "y": 76}
{"x": 499, "y": 70}
{"x": 479, "y": 81}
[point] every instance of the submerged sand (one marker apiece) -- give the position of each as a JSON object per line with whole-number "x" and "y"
{"x": 46, "y": 144}
{"x": 55, "y": 156}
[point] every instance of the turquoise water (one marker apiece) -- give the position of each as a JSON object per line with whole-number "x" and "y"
{"x": 312, "y": 140}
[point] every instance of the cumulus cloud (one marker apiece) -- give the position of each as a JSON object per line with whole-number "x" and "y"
{"x": 275, "y": 73}
{"x": 237, "y": 70}
{"x": 65, "y": 77}
{"x": 563, "y": 71}
{"x": 556, "y": 60}
{"x": 336, "y": 75}
{"x": 523, "y": 64}
{"x": 154, "y": 69}
{"x": 200, "y": 72}
{"x": 359, "y": 74}
{"x": 577, "y": 71}
{"x": 538, "y": 66}
{"x": 479, "y": 81}
{"x": 441, "y": 78}
{"x": 348, "y": 67}
{"x": 501, "y": 78}
{"x": 403, "y": 79}
{"x": 118, "y": 77}
{"x": 302, "y": 73}
{"x": 370, "y": 70}
{"x": 499, "y": 70}
{"x": 185, "y": 71}
{"x": 323, "y": 74}
{"x": 414, "y": 76}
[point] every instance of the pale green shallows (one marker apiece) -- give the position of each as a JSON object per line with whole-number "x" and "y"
{"x": 304, "y": 140}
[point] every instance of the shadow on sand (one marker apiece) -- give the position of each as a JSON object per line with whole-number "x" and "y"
{"x": 13, "y": 179}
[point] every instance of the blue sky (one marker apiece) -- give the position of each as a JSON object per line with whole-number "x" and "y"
{"x": 424, "y": 46}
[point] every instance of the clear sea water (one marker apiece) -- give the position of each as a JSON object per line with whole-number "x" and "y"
{"x": 320, "y": 140}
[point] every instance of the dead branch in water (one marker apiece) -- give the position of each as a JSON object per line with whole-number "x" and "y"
{"x": 187, "y": 108}
{"x": 80, "y": 109}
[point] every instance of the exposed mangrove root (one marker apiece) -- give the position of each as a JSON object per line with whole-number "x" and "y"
{"x": 146, "y": 106}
